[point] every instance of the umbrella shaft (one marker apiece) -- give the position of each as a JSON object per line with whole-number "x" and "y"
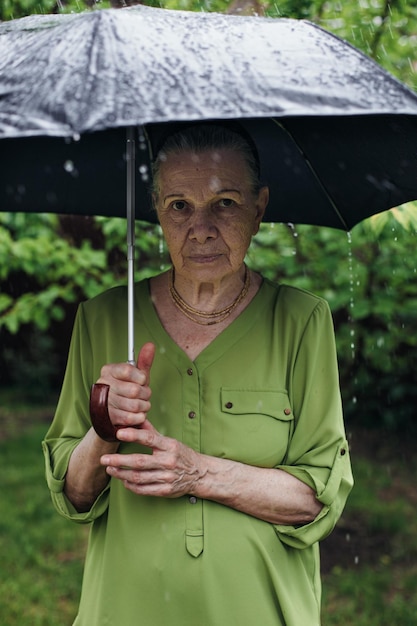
{"x": 130, "y": 306}
{"x": 130, "y": 214}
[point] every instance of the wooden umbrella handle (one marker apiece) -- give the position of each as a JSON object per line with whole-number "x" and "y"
{"x": 99, "y": 412}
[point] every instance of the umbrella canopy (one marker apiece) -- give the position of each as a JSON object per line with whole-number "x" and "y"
{"x": 337, "y": 135}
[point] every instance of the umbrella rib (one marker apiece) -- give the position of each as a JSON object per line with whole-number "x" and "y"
{"x": 316, "y": 176}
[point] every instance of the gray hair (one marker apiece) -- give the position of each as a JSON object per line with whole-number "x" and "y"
{"x": 204, "y": 136}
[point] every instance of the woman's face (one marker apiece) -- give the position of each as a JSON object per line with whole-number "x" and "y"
{"x": 208, "y": 212}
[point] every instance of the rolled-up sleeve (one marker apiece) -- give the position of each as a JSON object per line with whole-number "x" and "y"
{"x": 71, "y": 423}
{"x": 318, "y": 453}
{"x": 55, "y": 478}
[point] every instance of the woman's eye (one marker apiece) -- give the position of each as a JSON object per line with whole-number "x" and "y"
{"x": 226, "y": 203}
{"x": 178, "y": 205}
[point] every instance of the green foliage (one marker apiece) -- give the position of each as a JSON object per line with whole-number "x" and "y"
{"x": 58, "y": 266}
{"x": 385, "y": 30}
{"x": 53, "y": 268}
{"x": 13, "y": 9}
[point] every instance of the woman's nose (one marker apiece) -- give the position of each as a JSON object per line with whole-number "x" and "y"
{"x": 203, "y": 226}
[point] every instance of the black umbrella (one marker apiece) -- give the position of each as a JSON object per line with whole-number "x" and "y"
{"x": 337, "y": 135}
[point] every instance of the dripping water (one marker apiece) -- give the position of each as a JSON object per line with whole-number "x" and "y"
{"x": 351, "y": 321}
{"x": 351, "y": 295}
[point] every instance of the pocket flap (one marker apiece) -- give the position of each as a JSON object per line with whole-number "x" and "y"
{"x": 262, "y": 401}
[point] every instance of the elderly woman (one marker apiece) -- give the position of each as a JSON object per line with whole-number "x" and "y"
{"x": 230, "y": 461}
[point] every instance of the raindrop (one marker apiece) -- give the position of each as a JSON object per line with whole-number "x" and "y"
{"x": 292, "y": 227}
{"x": 70, "y": 168}
{"x": 143, "y": 170}
{"x": 380, "y": 342}
{"x": 161, "y": 248}
{"x": 214, "y": 183}
{"x": 351, "y": 292}
{"x": 141, "y": 139}
{"x": 278, "y": 12}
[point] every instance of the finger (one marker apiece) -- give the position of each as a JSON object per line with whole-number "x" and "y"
{"x": 113, "y": 373}
{"x": 147, "y": 436}
{"x": 145, "y": 483}
{"x": 139, "y": 479}
{"x": 127, "y": 396}
{"x": 145, "y": 360}
{"x": 126, "y": 466}
{"x": 125, "y": 419}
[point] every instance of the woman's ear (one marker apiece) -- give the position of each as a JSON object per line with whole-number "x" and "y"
{"x": 261, "y": 204}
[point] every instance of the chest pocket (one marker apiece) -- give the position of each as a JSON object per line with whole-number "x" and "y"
{"x": 259, "y": 422}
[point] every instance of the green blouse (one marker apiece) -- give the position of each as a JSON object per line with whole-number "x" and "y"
{"x": 265, "y": 392}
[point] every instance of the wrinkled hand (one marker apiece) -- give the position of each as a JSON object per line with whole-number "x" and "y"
{"x": 171, "y": 470}
{"x": 129, "y": 394}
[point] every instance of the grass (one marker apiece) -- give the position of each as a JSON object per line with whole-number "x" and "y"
{"x": 375, "y": 584}
{"x": 369, "y": 562}
{"x": 42, "y": 554}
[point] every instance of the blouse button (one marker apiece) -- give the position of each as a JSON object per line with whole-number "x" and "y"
{"x": 190, "y": 371}
{"x": 287, "y": 411}
{"x": 229, "y": 405}
{"x": 192, "y": 500}
{"x": 191, "y": 415}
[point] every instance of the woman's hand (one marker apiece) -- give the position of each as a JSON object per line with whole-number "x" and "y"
{"x": 171, "y": 470}
{"x": 129, "y": 394}
{"x": 128, "y": 403}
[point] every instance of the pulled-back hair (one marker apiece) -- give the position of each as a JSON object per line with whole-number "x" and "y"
{"x": 203, "y": 136}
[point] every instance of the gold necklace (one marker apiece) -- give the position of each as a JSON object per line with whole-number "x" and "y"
{"x": 201, "y": 317}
